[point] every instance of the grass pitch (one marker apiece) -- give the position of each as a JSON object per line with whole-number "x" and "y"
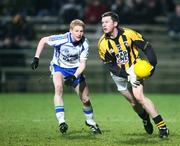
{"x": 29, "y": 120}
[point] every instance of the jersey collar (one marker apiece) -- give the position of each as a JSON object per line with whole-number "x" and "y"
{"x": 120, "y": 32}
{"x": 74, "y": 42}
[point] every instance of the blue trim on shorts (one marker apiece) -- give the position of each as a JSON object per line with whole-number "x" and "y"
{"x": 69, "y": 72}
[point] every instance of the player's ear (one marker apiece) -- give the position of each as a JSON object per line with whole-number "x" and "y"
{"x": 115, "y": 24}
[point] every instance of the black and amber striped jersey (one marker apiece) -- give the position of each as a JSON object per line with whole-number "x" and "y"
{"x": 121, "y": 52}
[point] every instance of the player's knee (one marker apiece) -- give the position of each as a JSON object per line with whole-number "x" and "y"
{"x": 58, "y": 88}
{"x": 140, "y": 100}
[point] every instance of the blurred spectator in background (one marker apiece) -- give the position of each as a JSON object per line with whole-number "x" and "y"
{"x": 154, "y": 9}
{"x": 43, "y": 7}
{"x": 139, "y": 11}
{"x": 146, "y": 11}
{"x": 56, "y": 6}
{"x": 174, "y": 22}
{"x": 70, "y": 11}
{"x": 93, "y": 11}
{"x": 10, "y": 7}
{"x": 19, "y": 30}
{"x": 15, "y": 32}
{"x": 123, "y": 10}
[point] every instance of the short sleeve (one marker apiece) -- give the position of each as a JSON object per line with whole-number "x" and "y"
{"x": 134, "y": 35}
{"x": 55, "y": 40}
{"x": 85, "y": 50}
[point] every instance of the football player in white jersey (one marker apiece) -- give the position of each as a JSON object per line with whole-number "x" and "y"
{"x": 67, "y": 66}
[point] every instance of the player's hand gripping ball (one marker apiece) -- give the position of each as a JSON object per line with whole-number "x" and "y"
{"x": 142, "y": 68}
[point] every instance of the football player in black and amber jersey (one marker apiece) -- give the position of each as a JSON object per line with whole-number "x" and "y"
{"x": 119, "y": 49}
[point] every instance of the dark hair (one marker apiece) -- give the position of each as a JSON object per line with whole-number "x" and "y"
{"x": 113, "y": 16}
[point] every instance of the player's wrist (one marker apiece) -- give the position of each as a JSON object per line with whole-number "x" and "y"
{"x": 36, "y": 57}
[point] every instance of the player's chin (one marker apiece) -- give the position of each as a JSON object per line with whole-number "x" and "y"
{"x": 78, "y": 39}
{"x": 106, "y": 31}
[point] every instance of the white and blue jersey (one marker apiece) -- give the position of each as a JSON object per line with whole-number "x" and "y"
{"x": 66, "y": 53}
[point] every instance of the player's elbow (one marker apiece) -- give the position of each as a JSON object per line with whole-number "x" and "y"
{"x": 43, "y": 40}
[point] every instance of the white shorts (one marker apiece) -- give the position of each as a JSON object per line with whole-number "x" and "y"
{"x": 121, "y": 83}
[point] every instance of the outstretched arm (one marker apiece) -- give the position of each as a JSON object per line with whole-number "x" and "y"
{"x": 40, "y": 46}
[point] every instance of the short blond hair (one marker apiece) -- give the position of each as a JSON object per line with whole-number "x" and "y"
{"x": 77, "y": 22}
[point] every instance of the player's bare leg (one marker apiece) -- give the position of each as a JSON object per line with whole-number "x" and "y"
{"x": 139, "y": 110}
{"x": 58, "y": 101}
{"x": 150, "y": 108}
{"x": 83, "y": 92}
